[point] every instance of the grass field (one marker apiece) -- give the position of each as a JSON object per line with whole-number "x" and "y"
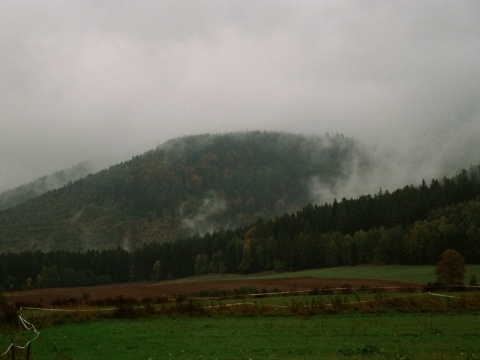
{"x": 353, "y": 336}
{"x": 419, "y": 274}
{"x": 385, "y": 325}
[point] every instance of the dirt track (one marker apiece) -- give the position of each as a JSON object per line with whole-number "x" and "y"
{"x": 171, "y": 289}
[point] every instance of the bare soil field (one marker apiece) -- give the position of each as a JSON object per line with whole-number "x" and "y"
{"x": 185, "y": 287}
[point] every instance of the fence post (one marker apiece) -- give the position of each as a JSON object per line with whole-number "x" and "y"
{"x": 28, "y": 349}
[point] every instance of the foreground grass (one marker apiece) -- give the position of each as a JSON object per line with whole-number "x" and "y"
{"x": 345, "y": 336}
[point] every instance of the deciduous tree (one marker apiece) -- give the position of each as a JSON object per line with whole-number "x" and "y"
{"x": 451, "y": 268}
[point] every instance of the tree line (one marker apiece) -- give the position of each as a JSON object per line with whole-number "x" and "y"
{"x": 413, "y": 225}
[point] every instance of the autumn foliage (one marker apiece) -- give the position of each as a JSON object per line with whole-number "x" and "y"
{"x": 451, "y": 268}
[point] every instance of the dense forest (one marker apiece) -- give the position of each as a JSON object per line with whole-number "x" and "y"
{"x": 412, "y": 225}
{"x": 191, "y": 185}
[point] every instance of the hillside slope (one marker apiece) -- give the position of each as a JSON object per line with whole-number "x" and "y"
{"x": 186, "y": 186}
{"x": 46, "y": 183}
{"x": 412, "y": 225}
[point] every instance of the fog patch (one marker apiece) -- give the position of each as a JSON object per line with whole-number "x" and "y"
{"x": 47, "y": 183}
{"x": 372, "y": 170}
{"x": 126, "y": 245}
{"x": 203, "y": 220}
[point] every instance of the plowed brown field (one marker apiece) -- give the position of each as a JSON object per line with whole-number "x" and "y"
{"x": 185, "y": 287}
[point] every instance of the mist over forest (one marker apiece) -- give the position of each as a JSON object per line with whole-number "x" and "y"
{"x": 46, "y": 183}
{"x": 388, "y": 168}
{"x": 194, "y": 185}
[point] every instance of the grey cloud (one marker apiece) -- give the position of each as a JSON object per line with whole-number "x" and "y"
{"x": 111, "y": 79}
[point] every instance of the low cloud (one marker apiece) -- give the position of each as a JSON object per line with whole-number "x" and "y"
{"x": 110, "y": 80}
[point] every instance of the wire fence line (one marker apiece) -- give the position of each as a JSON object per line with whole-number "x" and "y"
{"x": 28, "y": 326}
{"x": 67, "y": 310}
{"x": 246, "y": 303}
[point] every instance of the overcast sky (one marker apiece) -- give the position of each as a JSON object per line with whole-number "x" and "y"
{"x": 109, "y": 79}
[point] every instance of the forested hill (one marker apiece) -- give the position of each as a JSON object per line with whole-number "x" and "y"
{"x": 188, "y": 185}
{"x": 412, "y": 225}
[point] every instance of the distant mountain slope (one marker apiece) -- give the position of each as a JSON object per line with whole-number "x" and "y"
{"x": 46, "y": 183}
{"x": 188, "y": 185}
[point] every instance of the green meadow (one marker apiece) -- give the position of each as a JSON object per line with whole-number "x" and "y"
{"x": 352, "y": 336}
{"x": 419, "y": 274}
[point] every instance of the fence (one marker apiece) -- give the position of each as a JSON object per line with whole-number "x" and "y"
{"x": 25, "y": 349}
{"x": 18, "y": 352}
{"x": 12, "y": 348}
